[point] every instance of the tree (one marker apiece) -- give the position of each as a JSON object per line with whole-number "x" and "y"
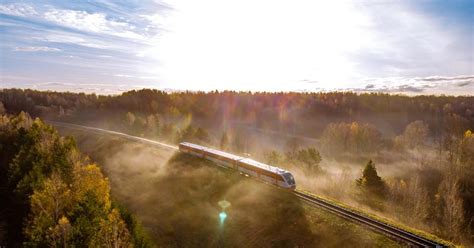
{"x": 48, "y": 224}
{"x": 351, "y": 137}
{"x": 63, "y": 202}
{"x": 451, "y": 206}
{"x": 293, "y": 144}
{"x": 415, "y": 134}
{"x": 2, "y": 109}
{"x": 130, "y": 118}
{"x": 310, "y": 158}
{"x": 152, "y": 124}
{"x": 370, "y": 180}
{"x": 466, "y": 150}
{"x": 168, "y": 132}
{"x": 112, "y": 232}
{"x": 201, "y": 136}
{"x": 273, "y": 158}
{"x": 224, "y": 141}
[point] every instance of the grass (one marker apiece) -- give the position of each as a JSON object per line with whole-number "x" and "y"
{"x": 176, "y": 198}
{"x": 387, "y": 221}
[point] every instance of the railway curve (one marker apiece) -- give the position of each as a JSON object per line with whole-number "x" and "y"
{"x": 381, "y": 227}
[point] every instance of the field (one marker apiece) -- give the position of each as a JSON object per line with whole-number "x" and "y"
{"x": 176, "y": 198}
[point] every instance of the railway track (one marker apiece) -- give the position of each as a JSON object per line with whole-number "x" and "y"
{"x": 396, "y": 233}
{"x": 381, "y": 227}
{"x": 114, "y": 133}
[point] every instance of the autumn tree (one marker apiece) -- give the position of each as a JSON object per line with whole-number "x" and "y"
{"x": 49, "y": 225}
{"x": 352, "y": 137}
{"x": 466, "y": 150}
{"x": 451, "y": 206}
{"x": 414, "y": 136}
{"x": 168, "y": 132}
{"x": 112, "y": 232}
{"x": 310, "y": 158}
{"x": 224, "y": 142}
{"x": 2, "y": 109}
{"x": 130, "y": 119}
{"x": 47, "y": 187}
{"x": 273, "y": 158}
{"x": 201, "y": 136}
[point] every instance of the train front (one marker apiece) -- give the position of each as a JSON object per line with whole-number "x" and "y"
{"x": 289, "y": 180}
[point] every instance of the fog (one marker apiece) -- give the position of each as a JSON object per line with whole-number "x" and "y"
{"x": 176, "y": 198}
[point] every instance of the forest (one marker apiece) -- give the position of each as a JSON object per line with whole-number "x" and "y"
{"x": 410, "y": 159}
{"x": 53, "y": 196}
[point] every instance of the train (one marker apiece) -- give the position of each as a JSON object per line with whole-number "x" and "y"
{"x": 247, "y": 166}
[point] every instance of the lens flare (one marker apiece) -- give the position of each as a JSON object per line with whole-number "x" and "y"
{"x": 222, "y": 217}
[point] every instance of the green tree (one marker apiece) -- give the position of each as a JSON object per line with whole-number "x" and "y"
{"x": 310, "y": 158}
{"x": 112, "y": 232}
{"x": 370, "y": 180}
{"x": 273, "y": 158}
{"x": 48, "y": 225}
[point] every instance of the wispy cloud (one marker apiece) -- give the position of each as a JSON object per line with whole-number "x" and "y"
{"x": 92, "y": 22}
{"x": 397, "y": 46}
{"x": 18, "y": 9}
{"x": 428, "y": 85}
{"x": 441, "y": 78}
{"x": 37, "y": 49}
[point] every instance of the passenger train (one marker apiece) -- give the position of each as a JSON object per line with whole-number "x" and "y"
{"x": 264, "y": 172}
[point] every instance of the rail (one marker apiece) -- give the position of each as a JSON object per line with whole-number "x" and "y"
{"x": 391, "y": 231}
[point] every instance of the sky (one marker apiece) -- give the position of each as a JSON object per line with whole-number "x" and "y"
{"x": 107, "y": 47}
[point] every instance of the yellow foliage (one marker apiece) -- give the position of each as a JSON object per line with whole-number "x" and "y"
{"x": 61, "y": 233}
{"x": 48, "y": 206}
{"x": 468, "y": 134}
{"x": 88, "y": 179}
{"x": 113, "y": 232}
{"x": 52, "y": 199}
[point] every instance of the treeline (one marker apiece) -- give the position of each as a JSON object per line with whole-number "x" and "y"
{"x": 52, "y": 196}
{"x": 274, "y": 111}
{"x": 428, "y": 137}
{"x": 434, "y": 194}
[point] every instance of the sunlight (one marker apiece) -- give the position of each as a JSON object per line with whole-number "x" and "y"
{"x": 222, "y": 45}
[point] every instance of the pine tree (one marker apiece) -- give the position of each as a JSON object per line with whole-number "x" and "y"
{"x": 370, "y": 180}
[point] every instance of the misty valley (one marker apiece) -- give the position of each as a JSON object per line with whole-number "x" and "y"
{"x": 405, "y": 161}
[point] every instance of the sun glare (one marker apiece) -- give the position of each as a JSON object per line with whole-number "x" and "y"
{"x": 223, "y": 45}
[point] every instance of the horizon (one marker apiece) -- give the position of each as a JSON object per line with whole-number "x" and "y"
{"x": 171, "y": 91}
{"x": 110, "y": 47}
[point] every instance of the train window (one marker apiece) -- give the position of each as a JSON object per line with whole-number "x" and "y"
{"x": 289, "y": 178}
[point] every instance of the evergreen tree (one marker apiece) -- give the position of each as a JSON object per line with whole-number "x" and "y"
{"x": 370, "y": 180}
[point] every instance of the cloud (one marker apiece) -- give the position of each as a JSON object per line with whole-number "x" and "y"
{"x": 92, "y": 22}
{"x": 18, "y": 9}
{"x": 441, "y": 78}
{"x": 462, "y": 84}
{"x": 76, "y": 39}
{"x": 37, "y": 49}
{"x": 459, "y": 81}
{"x": 458, "y": 85}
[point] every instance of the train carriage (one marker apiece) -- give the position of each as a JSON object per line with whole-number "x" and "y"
{"x": 261, "y": 171}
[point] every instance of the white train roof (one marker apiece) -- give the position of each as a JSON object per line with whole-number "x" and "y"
{"x": 224, "y": 154}
{"x": 263, "y": 166}
{"x": 249, "y": 161}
